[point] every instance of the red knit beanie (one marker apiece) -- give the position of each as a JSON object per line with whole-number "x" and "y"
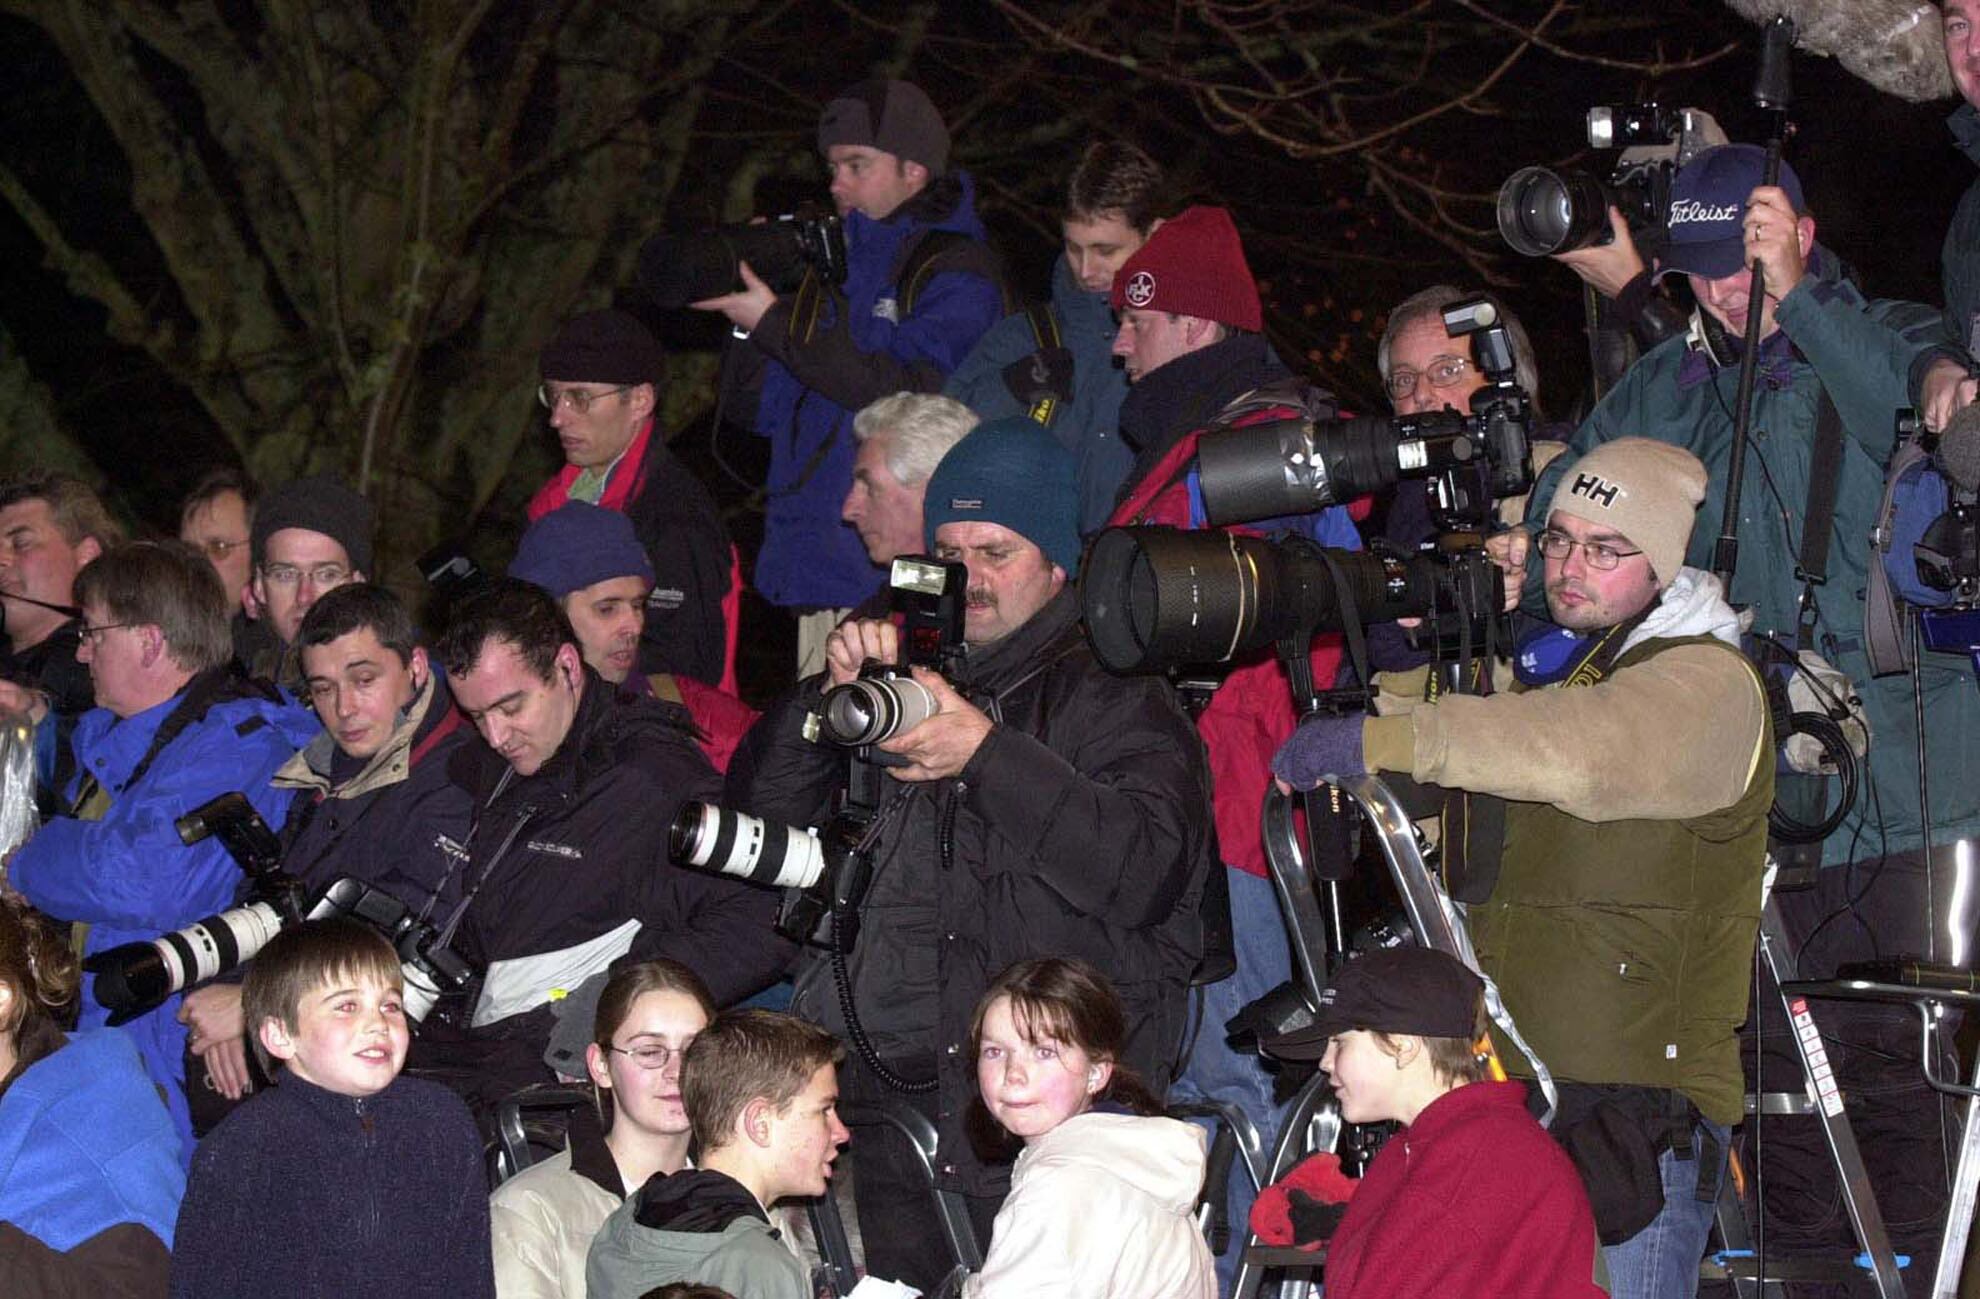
{"x": 1193, "y": 265}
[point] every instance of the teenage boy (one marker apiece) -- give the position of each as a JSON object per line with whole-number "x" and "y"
{"x": 1472, "y": 1196}
{"x": 761, "y": 1090}
{"x": 344, "y": 1176}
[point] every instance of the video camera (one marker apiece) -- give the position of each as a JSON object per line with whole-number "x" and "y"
{"x": 886, "y": 700}
{"x": 136, "y": 978}
{"x": 1543, "y": 211}
{"x": 676, "y": 270}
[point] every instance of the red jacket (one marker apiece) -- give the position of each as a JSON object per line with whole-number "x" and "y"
{"x": 1251, "y": 714}
{"x": 1474, "y": 1198}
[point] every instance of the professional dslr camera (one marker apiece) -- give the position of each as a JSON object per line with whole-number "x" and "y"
{"x": 678, "y": 269}
{"x": 1158, "y": 598}
{"x": 886, "y": 700}
{"x": 136, "y": 978}
{"x": 1542, "y": 210}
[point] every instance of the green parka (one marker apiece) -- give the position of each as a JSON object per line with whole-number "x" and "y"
{"x": 1870, "y": 355}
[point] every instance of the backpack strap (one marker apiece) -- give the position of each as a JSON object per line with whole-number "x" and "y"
{"x": 948, "y": 250}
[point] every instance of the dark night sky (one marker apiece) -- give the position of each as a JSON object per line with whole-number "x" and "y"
{"x": 1880, "y": 174}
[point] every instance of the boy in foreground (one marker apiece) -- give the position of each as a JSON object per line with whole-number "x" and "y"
{"x": 760, "y": 1089}
{"x": 344, "y": 1178}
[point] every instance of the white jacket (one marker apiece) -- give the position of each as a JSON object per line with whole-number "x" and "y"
{"x": 544, "y": 1219}
{"x": 1100, "y": 1209}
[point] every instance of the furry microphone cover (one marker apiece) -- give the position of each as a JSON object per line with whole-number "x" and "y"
{"x": 1895, "y": 45}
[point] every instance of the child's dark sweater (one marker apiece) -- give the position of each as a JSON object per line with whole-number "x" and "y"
{"x": 305, "y": 1192}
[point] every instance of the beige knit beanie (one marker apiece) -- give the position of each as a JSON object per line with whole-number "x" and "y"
{"x": 1644, "y": 490}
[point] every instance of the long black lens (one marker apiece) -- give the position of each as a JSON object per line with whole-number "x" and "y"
{"x": 708, "y": 837}
{"x": 1156, "y": 598}
{"x": 1292, "y": 466}
{"x": 1542, "y": 211}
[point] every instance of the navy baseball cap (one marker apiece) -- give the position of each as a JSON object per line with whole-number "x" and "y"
{"x": 1390, "y": 990}
{"x": 1708, "y": 207}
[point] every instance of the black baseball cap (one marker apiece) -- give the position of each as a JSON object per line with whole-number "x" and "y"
{"x": 1390, "y": 990}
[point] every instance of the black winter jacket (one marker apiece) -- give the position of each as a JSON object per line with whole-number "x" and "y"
{"x": 572, "y": 862}
{"x": 399, "y": 823}
{"x": 1081, "y": 827}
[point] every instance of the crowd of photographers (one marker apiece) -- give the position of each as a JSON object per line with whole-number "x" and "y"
{"x": 997, "y": 525}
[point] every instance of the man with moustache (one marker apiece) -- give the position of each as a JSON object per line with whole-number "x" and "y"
{"x": 1047, "y": 807}
{"x": 1621, "y": 928}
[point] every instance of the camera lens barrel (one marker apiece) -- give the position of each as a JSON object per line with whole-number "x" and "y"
{"x": 135, "y": 977}
{"x": 874, "y": 709}
{"x": 1542, "y": 211}
{"x": 710, "y": 837}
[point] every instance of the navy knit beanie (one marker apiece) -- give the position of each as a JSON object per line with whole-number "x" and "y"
{"x": 319, "y": 503}
{"x": 579, "y": 544}
{"x": 1013, "y": 473}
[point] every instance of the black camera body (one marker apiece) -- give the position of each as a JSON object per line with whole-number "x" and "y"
{"x": 1542, "y": 210}
{"x": 676, "y": 270}
{"x": 427, "y": 967}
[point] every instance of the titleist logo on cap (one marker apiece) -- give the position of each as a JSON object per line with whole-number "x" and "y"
{"x": 1690, "y": 211}
{"x": 1140, "y": 290}
{"x": 965, "y": 502}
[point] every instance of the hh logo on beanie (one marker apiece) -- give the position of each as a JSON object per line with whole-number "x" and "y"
{"x": 1595, "y": 488}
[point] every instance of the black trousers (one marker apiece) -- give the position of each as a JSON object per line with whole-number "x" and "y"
{"x": 900, "y": 1231}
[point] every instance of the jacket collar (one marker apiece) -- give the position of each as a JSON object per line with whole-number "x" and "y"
{"x": 1003, "y": 663}
{"x": 1965, "y": 126}
{"x": 1184, "y": 395}
{"x": 309, "y": 769}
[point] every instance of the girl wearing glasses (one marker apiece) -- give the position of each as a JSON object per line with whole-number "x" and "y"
{"x": 546, "y": 1215}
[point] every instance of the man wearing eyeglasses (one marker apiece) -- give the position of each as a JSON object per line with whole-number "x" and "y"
{"x": 310, "y": 537}
{"x": 601, "y": 385}
{"x": 175, "y": 725}
{"x": 1632, "y": 751}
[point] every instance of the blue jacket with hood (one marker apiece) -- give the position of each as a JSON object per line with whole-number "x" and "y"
{"x": 825, "y": 353}
{"x": 1089, "y": 425}
{"x": 127, "y": 876}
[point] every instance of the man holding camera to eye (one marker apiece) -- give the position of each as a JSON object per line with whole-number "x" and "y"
{"x": 1833, "y": 368}
{"x": 1046, "y": 806}
{"x": 1621, "y": 926}
{"x": 920, "y": 288}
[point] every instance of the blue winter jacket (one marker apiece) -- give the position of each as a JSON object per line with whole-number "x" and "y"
{"x": 1867, "y": 354}
{"x": 820, "y": 370}
{"x": 85, "y": 1145}
{"x": 1089, "y": 425}
{"x": 127, "y": 876}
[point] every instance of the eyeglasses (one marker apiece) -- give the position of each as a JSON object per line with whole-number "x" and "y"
{"x": 1441, "y": 372}
{"x": 92, "y": 636}
{"x": 1555, "y": 544}
{"x": 651, "y": 1055}
{"x": 320, "y": 575}
{"x": 218, "y": 550}
{"x": 576, "y": 398}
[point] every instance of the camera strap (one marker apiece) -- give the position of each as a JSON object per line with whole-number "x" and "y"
{"x": 1818, "y": 520}
{"x": 205, "y": 692}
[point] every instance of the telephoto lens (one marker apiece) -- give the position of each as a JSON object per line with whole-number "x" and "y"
{"x": 138, "y": 977}
{"x": 713, "y": 838}
{"x": 874, "y": 709}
